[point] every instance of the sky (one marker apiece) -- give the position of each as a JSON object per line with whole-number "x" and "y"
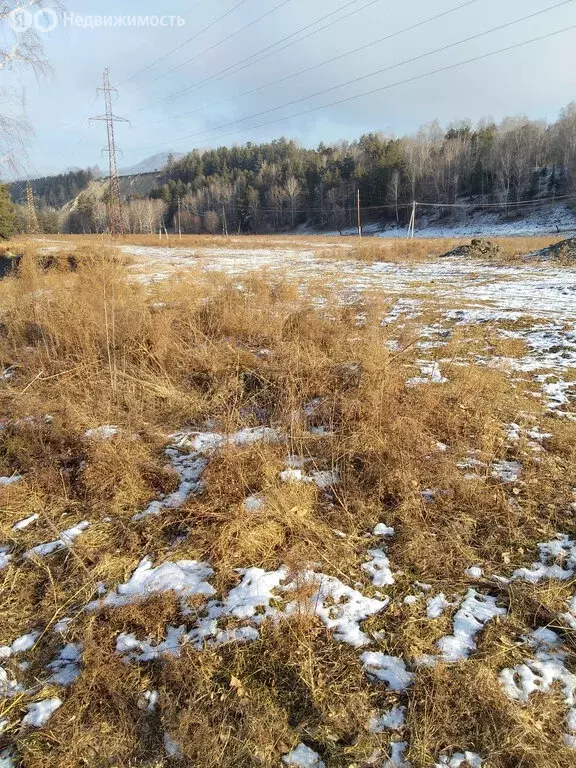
{"x": 152, "y": 65}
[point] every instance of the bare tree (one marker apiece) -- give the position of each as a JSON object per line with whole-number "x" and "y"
{"x": 293, "y": 194}
{"x": 212, "y": 222}
{"x": 394, "y": 191}
{"x": 275, "y": 197}
{"x": 564, "y": 141}
{"x": 22, "y": 50}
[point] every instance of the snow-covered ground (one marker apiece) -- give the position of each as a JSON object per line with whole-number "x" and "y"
{"x": 530, "y": 303}
{"x": 237, "y": 617}
{"x": 541, "y": 290}
{"x": 462, "y": 292}
{"x": 536, "y": 220}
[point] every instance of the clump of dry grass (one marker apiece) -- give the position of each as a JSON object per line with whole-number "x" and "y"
{"x": 91, "y": 347}
{"x": 373, "y": 249}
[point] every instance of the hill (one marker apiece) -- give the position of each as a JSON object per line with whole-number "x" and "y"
{"x": 150, "y": 164}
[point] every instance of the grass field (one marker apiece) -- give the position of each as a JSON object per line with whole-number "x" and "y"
{"x": 270, "y": 501}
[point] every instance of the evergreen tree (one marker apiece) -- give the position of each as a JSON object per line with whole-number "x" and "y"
{"x": 7, "y": 214}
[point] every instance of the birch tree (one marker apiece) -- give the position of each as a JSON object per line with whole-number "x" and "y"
{"x": 21, "y": 51}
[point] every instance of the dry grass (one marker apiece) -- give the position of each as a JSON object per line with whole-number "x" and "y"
{"x": 368, "y": 249}
{"x": 514, "y": 249}
{"x": 89, "y": 347}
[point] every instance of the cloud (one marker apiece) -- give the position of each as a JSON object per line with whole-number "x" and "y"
{"x": 532, "y": 80}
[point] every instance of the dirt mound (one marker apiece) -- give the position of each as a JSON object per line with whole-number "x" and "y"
{"x": 478, "y": 249}
{"x": 565, "y": 250}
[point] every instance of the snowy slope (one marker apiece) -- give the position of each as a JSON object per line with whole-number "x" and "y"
{"x": 149, "y": 164}
{"x": 549, "y": 219}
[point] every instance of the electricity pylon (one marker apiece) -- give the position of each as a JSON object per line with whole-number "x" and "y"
{"x": 115, "y": 220}
{"x": 31, "y": 217}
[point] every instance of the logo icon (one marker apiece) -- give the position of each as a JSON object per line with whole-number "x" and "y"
{"x": 21, "y": 20}
{"x": 46, "y": 20}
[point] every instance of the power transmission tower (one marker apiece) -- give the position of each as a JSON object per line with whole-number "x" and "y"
{"x": 115, "y": 220}
{"x": 31, "y": 218}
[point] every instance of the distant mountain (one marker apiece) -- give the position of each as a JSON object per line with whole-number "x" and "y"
{"x": 150, "y": 164}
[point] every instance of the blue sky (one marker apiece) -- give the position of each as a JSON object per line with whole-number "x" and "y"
{"x": 536, "y": 80}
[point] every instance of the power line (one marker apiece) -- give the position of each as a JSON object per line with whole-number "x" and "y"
{"x": 252, "y": 58}
{"x": 343, "y": 209}
{"x": 380, "y": 89}
{"x": 326, "y": 61}
{"x": 225, "y": 40}
{"x": 508, "y": 204}
{"x": 185, "y": 43}
{"x": 382, "y": 70}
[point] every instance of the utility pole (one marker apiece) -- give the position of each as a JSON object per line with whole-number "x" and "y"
{"x": 31, "y": 218}
{"x": 115, "y": 221}
{"x": 179, "y": 217}
{"x": 412, "y": 224}
{"x": 224, "y": 222}
{"x": 359, "y": 215}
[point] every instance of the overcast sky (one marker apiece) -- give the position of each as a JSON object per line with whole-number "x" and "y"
{"x": 536, "y": 80}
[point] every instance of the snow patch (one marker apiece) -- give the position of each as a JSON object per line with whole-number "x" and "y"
{"x": 25, "y": 642}
{"x": 5, "y": 557}
{"x": 260, "y": 595}
{"x": 303, "y": 757}
{"x": 387, "y": 669}
{"x": 379, "y": 568}
{"x": 383, "y": 530}
{"x": 184, "y": 577}
{"x": 458, "y": 759}
{"x": 474, "y": 613}
{"x": 171, "y": 747}
{"x": 397, "y": 753}
{"x": 40, "y": 712}
{"x": 66, "y": 666}
{"x": 105, "y": 432}
{"x": 190, "y": 466}
{"x": 23, "y": 524}
{"x": 437, "y": 605}
{"x": 393, "y": 720}
{"x": 10, "y": 480}
{"x": 557, "y": 561}
{"x": 506, "y": 471}
{"x": 430, "y": 374}
{"x": 338, "y": 606}
{"x": 543, "y": 673}
{"x": 64, "y": 542}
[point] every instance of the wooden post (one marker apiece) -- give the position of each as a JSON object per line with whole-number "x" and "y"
{"x": 359, "y": 216}
{"x": 179, "y": 218}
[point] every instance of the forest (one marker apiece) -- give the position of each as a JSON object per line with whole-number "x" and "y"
{"x": 280, "y": 185}
{"x": 54, "y": 191}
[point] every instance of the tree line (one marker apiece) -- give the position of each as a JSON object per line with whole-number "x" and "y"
{"x": 54, "y": 191}
{"x": 279, "y": 185}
